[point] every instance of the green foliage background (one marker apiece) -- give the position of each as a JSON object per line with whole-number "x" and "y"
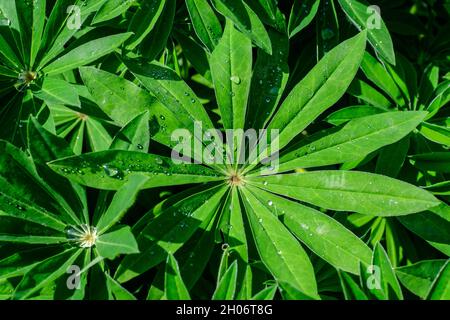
{"x": 92, "y": 90}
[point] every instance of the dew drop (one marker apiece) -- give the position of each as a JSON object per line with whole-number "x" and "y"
{"x": 235, "y": 79}
{"x": 273, "y": 90}
{"x": 111, "y": 171}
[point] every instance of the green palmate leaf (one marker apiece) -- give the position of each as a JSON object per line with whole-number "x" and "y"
{"x": 144, "y": 21}
{"x": 361, "y": 192}
{"x": 205, "y": 23}
{"x": 223, "y": 265}
{"x": 44, "y": 117}
{"x": 98, "y": 285}
{"x": 32, "y": 239}
{"x": 392, "y": 157}
{"x": 8, "y": 56}
{"x": 393, "y": 245}
{"x": 62, "y": 288}
{"x": 231, "y": 69}
{"x": 156, "y": 291}
{"x": 7, "y": 72}
{"x": 440, "y": 188}
{"x": 269, "y": 79}
{"x": 119, "y": 98}
{"x": 349, "y": 113}
{"x": 118, "y": 292}
{"x": 434, "y": 161}
{"x": 405, "y": 76}
{"x": 441, "y": 98}
{"x": 179, "y": 99}
{"x": 18, "y": 263}
{"x": 62, "y": 25}
{"x": 197, "y": 56}
{"x": 246, "y": 20}
{"x": 236, "y": 234}
{"x": 54, "y": 24}
{"x": 279, "y": 250}
{"x": 45, "y": 147}
{"x": 25, "y": 195}
{"x": 436, "y": 133}
{"x": 237, "y": 242}
{"x": 86, "y": 53}
{"x": 302, "y": 14}
{"x": 9, "y": 12}
{"x": 156, "y": 40}
{"x": 323, "y": 235}
{"x": 440, "y": 288}
{"x": 351, "y": 289}
{"x": 175, "y": 289}
{"x": 134, "y": 135}
{"x": 376, "y": 73}
{"x": 377, "y": 230}
{"x": 368, "y": 94}
{"x": 109, "y": 170}
{"x": 117, "y": 242}
{"x": 77, "y": 139}
{"x": 428, "y": 84}
{"x": 369, "y": 18}
{"x": 266, "y": 294}
{"x": 122, "y": 101}
{"x": 122, "y": 201}
{"x": 6, "y": 290}
{"x": 432, "y": 226}
{"x": 112, "y": 9}
{"x": 56, "y": 91}
{"x": 11, "y": 113}
{"x": 311, "y": 96}
{"x": 197, "y": 254}
{"x": 45, "y": 272}
{"x": 390, "y": 288}
{"x": 327, "y": 28}
{"x": 99, "y": 138}
{"x": 419, "y": 276}
{"x": 226, "y": 287}
{"x": 290, "y": 292}
{"x": 32, "y": 19}
{"x": 169, "y": 230}
{"x": 357, "y": 138}
{"x": 18, "y": 208}
{"x": 269, "y": 7}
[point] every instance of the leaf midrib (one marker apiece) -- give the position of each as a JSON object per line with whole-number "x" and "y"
{"x": 346, "y": 142}
{"x": 350, "y": 191}
{"x": 274, "y": 245}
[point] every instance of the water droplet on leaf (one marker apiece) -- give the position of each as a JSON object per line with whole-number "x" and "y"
{"x": 235, "y": 79}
